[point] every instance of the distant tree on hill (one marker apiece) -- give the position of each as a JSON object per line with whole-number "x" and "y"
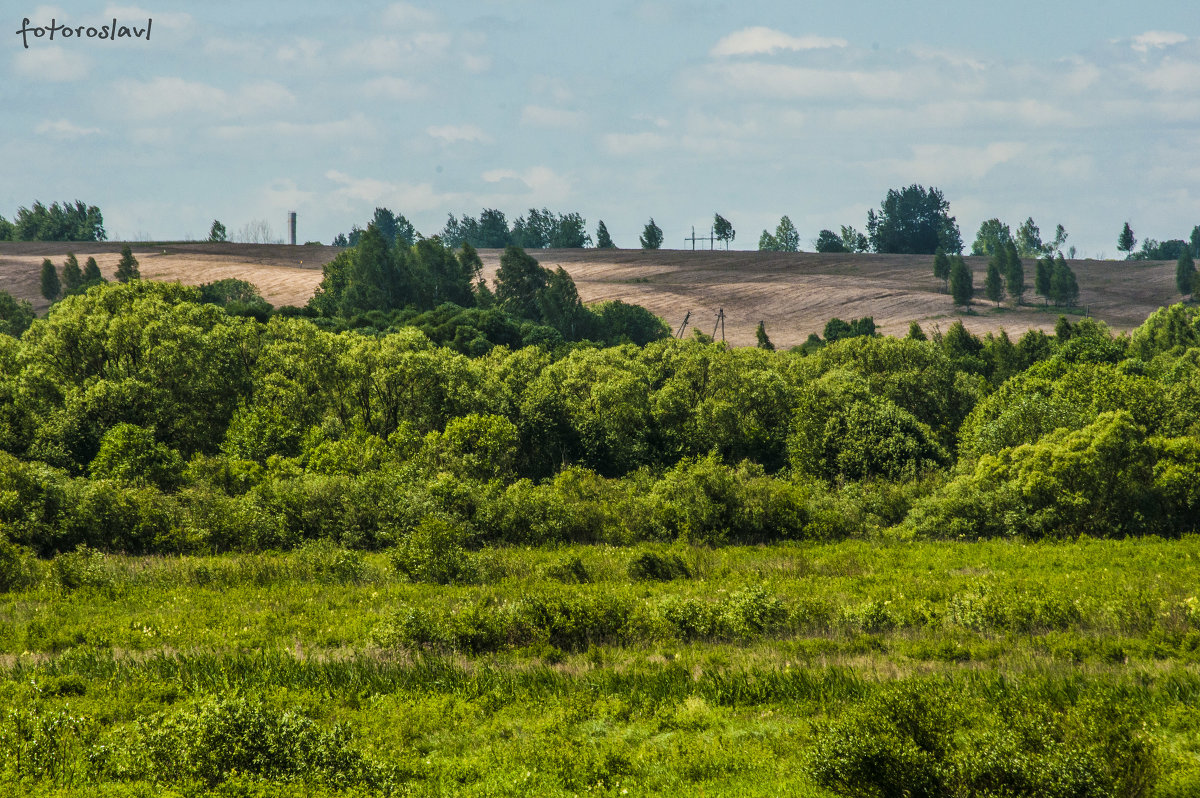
{"x": 994, "y": 285}
{"x": 941, "y": 266}
{"x": 763, "y": 341}
{"x": 652, "y": 235}
{"x": 1029, "y": 239}
{"x": 216, "y": 233}
{"x": 829, "y": 241}
{"x": 7, "y": 231}
{"x": 1060, "y": 238}
{"x": 519, "y": 281}
{"x": 1045, "y": 271}
{"x": 915, "y": 333}
{"x": 785, "y": 239}
{"x": 1064, "y": 289}
{"x": 603, "y": 239}
{"x": 767, "y": 243}
{"x": 66, "y": 222}
{"x": 1195, "y": 241}
{"x": 723, "y": 230}
{"x": 914, "y": 221}
{"x": 1014, "y": 274}
{"x": 51, "y": 287}
{"x": 1160, "y": 250}
{"x": 570, "y": 232}
{"x": 853, "y": 240}
{"x": 992, "y": 234}
{"x": 1185, "y": 273}
{"x": 72, "y": 275}
{"x": 127, "y": 267}
{"x": 91, "y": 274}
{"x": 1126, "y": 240}
{"x": 962, "y": 284}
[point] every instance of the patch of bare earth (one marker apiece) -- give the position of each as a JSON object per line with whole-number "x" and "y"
{"x": 795, "y": 294}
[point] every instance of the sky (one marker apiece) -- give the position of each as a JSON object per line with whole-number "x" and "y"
{"x": 1085, "y": 114}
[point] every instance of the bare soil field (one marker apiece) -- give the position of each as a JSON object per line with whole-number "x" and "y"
{"x": 795, "y": 294}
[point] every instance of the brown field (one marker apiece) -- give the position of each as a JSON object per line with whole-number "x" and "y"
{"x": 794, "y": 293}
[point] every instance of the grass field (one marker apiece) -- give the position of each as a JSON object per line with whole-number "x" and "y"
{"x": 784, "y": 670}
{"x": 795, "y": 294}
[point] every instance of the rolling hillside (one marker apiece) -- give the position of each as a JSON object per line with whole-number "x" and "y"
{"x": 794, "y": 293}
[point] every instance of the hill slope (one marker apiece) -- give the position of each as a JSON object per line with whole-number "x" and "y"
{"x": 794, "y": 293}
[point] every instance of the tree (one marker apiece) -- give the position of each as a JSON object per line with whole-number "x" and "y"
{"x": 767, "y": 243}
{"x": 1185, "y": 273}
{"x": 15, "y": 316}
{"x": 72, "y": 276}
{"x": 394, "y": 227}
{"x": 723, "y": 230}
{"x": 941, "y": 265}
{"x": 127, "y": 267}
{"x": 1126, "y": 241}
{"x": 1014, "y": 274}
{"x": 66, "y": 222}
{"x": 1045, "y": 271}
{"x": 652, "y": 235}
{"x": 1060, "y": 238}
{"x": 216, "y": 232}
{"x": 787, "y": 238}
{"x": 534, "y": 230}
{"x": 915, "y": 333}
{"x": 493, "y": 230}
{"x": 519, "y": 282}
{"x": 91, "y": 273}
{"x": 603, "y": 239}
{"x": 763, "y": 341}
{"x": 569, "y": 232}
{"x": 962, "y": 284}
{"x": 51, "y": 287}
{"x": 829, "y": 241}
{"x": 1064, "y": 290}
{"x": 1195, "y": 241}
{"x": 992, "y": 234}
{"x": 1029, "y": 239}
{"x": 853, "y": 240}
{"x": 913, "y": 221}
{"x": 994, "y": 286}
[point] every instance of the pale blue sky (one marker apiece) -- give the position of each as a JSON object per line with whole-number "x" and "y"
{"x": 1081, "y": 113}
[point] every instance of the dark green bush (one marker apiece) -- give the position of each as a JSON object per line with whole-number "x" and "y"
{"x": 651, "y": 566}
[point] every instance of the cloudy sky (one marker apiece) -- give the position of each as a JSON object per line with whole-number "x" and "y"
{"x": 1080, "y": 112}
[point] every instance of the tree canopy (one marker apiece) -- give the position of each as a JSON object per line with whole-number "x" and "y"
{"x": 915, "y": 221}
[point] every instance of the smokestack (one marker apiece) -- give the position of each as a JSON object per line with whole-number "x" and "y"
{"x": 292, "y": 228}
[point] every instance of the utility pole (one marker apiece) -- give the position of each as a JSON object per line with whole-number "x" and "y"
{"x": 683, "y": 326}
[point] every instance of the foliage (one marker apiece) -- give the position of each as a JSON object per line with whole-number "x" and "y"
{"x": 785, "y": 238}
{"x": 913, "y": 220}
{"x": 962, "y": 285}
{"x": 1126, "y": 240}
{"x": 69, "y": 221}
{"x": 51, "y": 286}
{"x": 991, "y": 237}
{"x": 127, "y": 266}
{"x": 603, "y": 239}
{"x": 723, "y": 230}
{"x": 829, "y": 241}
{"x": 217, "y": 233}
{"x": 652, "y": 235}
{"x": 1185, "y": 273}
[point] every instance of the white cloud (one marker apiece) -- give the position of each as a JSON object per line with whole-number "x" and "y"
{"x": 941, "y": 163}
{"x": 454, "y": 133}
{"x": 635, "y": 143}
{"x": 762, "y": 40}
{"x": 1156, "y": 39}
{"x": 391, "y": 52}
{"x": 540, "y": 116}
{"x": 406, "y": 15}
{"x": 1174, "y": 77}
{"x": 333, "y": 130}
{"x": 166, "y": 96}
{"x": 393, "y": 88}
{"x": 51, "y": 63}
{"x": 778, "y": 80}
{"x": 64, "y": 130}
{"x": 299, "y": 51}
{"x": 355, "y": 192}
{"x": 543, "y": 183}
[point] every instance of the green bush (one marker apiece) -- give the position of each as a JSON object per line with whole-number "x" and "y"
{"x": 652, "y": 566}
{"x": 435, "y": 552}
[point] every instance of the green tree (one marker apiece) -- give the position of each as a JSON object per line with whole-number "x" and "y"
{"x": 853, "y": 240}
{"x": 723, "y": 230}
{"x": 1042, "y": 279}
{"x": 652, "y": 235}
{"x": 7, "y": 230}
{"x": 763, "y": 341}
{"x": 127, "y": 267}
{"x": 603, "y": 239}
{"x": 994, "y": 285}
{"x": 1064, "y": 290}
{"x": 519, "y": 282}
{"x": 15, "y": 316}
{"x": 962, "y": 284}
{"x": 914, "y": 221}
{"x": 1126, "y": 240}
{"x": 570, "y": 232}
{"x": 216, "y": 233}
{"x": 915, "y": 333}
{"x": 1029, "y": 239}
{"x": 1014, "y": 274}
{"x": 992, "y": 235}
{"x": 941, "y": 266}
{"x": 767, "y": 242}
{"x": 829, "y": 241}
{"x": 787, "y": 238}
{"x": 72, "y": 276}
{"x": 66, "y": 222}
{"x": 1060, "y": 238}
{"x": 1195, "y": 241}
{"x": 51, "y": 287}
{"x": 1185, "y": 273}
{"x": 91, "y": 273}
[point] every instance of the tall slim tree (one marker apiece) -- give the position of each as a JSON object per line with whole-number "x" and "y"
{"x": 941, "y": 266}
{"x": 519, "y": 282}
{"x": 1126, "y": 240}
{"x": 1185, "y": 273}
{"x": 216, "y": 233}
{"x": 603, "y": 239}
{"x": 994, "y": 285}
{"x": 72, "y": 275}
{"x": 1195, "y": 241}
{"x": 1045, "y": 271}
{"x": 767, "y": 242}
{"x": 787, "y": 237}
{"x": 962, "y": 284}
{"x": 127, "y": 267}
{"x": 91, "y": 273}
{"x": 763, "y": 341}
{"x": 1014, "y": 274}
{"x": 652, "y": 235}
{"x": 723, "y": 230}
{"x": 51, "y": 287}
{"x": 1064, "y": 289}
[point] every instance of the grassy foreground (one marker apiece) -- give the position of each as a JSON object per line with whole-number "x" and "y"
{"x": 851, "y": 668}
